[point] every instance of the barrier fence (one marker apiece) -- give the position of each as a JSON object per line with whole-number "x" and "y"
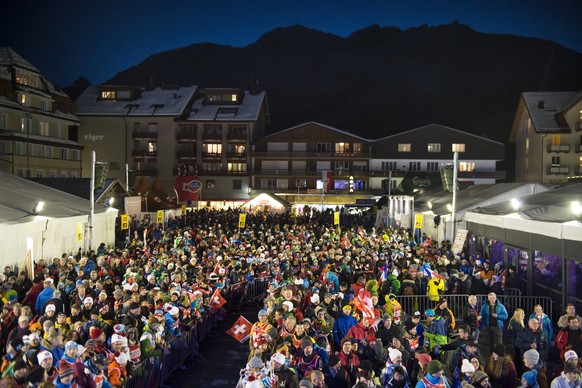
{"x": 154, "y": 371}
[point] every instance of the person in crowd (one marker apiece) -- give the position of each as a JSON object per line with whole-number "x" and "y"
{"x": 493, "y": 315}
{"x": 569, "y": 378}
{"x": 480, "y": 380}
{"x": 335, "y": 374}
{"x": 343, "y": 324}
{"x": 570, "y": 312}
{"x": 514, "y": 327}
{"x": 529, "y": 379}
{"x": 282, "y": 376}
{"x": 570, "y": 337}
{"x": 471, "y": 316}
{"x": 434, "y": 377}
{"x": 532, "y": 362}
{"x": 500, "y": 369}
{"x": 533, "y": 337}
{"x": 545, "y": 322}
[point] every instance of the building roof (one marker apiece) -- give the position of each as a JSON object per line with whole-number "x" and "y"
{"x": 248, "y": 110}
{"x": 18, "y": 197}
{"x": 79, "y": 187}
{"x": 156, "y": 102}
{"x": 318, "y": 124}
{"x": 548, "y": 206}
{"x": 547, "y": 109}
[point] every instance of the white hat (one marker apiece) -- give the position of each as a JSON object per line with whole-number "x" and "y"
{"x": 43, "y": 355}
{"x": 288, "y": 304}
{"x": 174, "y": 311}
{"x": 88, "y": 300}
{"x": 569, "y": 355}
{"x": 315, "y": 298}
{"x": 121, "y": 359}
{"x": 50, "y": 307}
{"x": 253, "y": 384}
{"x": 115, "y": 338}
{"x": 394, "y": 354}
{"x": 278, "y": 358}
{"x": 467, "y": 367}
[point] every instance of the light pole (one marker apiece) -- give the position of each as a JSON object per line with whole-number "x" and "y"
{"x": 456, "y": 149}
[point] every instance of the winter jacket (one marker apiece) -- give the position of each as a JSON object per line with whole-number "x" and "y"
{"x": 470, "y": 315}
{"x": 435, "y": 285}
{"x": 526, "y": 337}
{"x": 436, "y": 382}
{"x": 44, "y": 296}
{"x": 341, "y": 379}
{"x": 566, "y": 338}
{"x": 499, "y": 310}
{"x": 563, "y": 382}
{"x": 342, "y": 325}
{"x": 546, "y": 325}
{"x": 286, "y": 378}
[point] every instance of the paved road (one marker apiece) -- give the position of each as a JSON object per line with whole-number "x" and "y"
{"x": 223, "y": 358}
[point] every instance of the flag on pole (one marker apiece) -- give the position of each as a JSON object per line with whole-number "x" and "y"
{"x": 241, "y": 330}
{"x": 425, "y": 268}
{"x": 217, "y": 301}
{"x": 363, "y": 302}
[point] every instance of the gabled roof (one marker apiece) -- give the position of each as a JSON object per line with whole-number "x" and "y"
{"x": 434, "y": 127}
{"x": 18, "y": 197}
{"x": 318, "y": 124}
{"x": 547, "y": 109}
{"x": 9, "y": 57}
{"x": 248, "y": 110}
{"x": 79, "y": 187}
{"x": 156, "y": 102}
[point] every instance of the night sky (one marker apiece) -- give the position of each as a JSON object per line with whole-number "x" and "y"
{"x": 67, "y": 39}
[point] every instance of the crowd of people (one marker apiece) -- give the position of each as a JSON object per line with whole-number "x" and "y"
{"x": 331, "y": 317}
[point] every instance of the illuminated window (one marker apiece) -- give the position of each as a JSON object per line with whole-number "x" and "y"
{"x": 434, "y": 147}
{"x": 23, "y": 99}
{"x": 237, "y": 167}
{"x": 357, "y": 147}
{"x": 342, "y": 147}
{"x": 152, "y": 147}
{"x": 467, "y": 166}
{"x": 212, "y": 148}
{"x": 233, "y": 97}
{"x": 556, "y": 140}
{"x": 108, "y": 95}
{"x": 402, "y": 147}
{"x": 43, "y": 127}
{"x": 527, "y": 146}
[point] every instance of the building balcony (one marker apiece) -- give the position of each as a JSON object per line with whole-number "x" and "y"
{"x": 213, "y": 137}
{"x": 211, "y": 156}
{"x": 236, "y": 156}
{"x": 186, "y": 154}
{"x": 313, "y": 155}
{"x": 238, "y": 138}
{"x": 144, "y": 154}
{"x": 497, "y": 175}
{"x": 186, "y": 137}
{"x": 558, "y": 147}
{"x": 557, "y": 170}
{"x": 144, "y": 135}
{"x": 147, "y": 172}
{"x": 222, "y": 173}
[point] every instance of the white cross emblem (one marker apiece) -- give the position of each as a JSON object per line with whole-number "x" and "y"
{"x": 240, "y": 328}
{"x": 216, "y": 300}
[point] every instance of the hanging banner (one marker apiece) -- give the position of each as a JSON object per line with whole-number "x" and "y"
{"x": 242, "y": 219}
{"x": 460, "y": 238}
{"x": 124, "y": 222}
{"x": 418, "y": 219}
{"x": 336, "y": 218}
{"x": 160, "y": 217}
{"x": 187, "y": 188}
{"x": 79, "y": 231}
{"x": 133, "y": 205}
{"x": 183, "y": 210}
{"x": 293, "y": 212}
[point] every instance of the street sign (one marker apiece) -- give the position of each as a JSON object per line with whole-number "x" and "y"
{"x": 336, "y": 218}
{"x": 79, "y": 231}
{"x": 160, "y": 218}
{"x": 242, "y": 219}
{"x": 418, "y": 218}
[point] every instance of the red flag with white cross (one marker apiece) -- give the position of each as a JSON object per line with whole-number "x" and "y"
{"x": 241, "y": 329}
{"x": 217, "y": 301}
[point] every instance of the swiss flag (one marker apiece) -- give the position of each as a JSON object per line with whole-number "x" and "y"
{"x": 217, "y": 301}
{"x": 241, "y": 329}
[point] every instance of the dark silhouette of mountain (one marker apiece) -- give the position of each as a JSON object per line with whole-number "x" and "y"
{"x": 77, "y": 88}
{"x": 379, "y": 80}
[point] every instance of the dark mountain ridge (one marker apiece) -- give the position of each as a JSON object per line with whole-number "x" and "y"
{"x": 379, "y": 80}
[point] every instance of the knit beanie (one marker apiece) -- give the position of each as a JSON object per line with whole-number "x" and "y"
{"x": 532, "y": 355}
{"x": 305, "y": 383}
{"x": 499, "y": 350}
{"x": 394, "y": 353}
{"x": 434, "y": 366}
{"x": 478, "y": 377}
{"x": 467, "y": 367}
{"x": 531, "y": 377}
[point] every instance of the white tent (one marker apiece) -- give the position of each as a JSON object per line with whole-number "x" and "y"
{"x": 62, "y": 226}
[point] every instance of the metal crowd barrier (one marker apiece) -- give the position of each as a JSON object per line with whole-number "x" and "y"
{"x": 154, "y": 371}
{"x": 457, "y": 303}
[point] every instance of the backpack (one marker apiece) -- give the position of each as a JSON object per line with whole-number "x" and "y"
{"x": 407, "y": 289}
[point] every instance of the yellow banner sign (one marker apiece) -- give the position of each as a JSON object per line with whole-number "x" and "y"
{"x": 160, "y": 217}
{"x": 242, "y": 219}
{"x": 79, "y": 231}
{"x": 336, "y": 218}
{"x": 183, "y": 210}
{"x": 293, "y": 212}
{"x": 418, "y": 218}
{"x": 124, "y": 222}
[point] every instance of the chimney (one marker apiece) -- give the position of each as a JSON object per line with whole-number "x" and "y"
{"x": 541, "y": 104}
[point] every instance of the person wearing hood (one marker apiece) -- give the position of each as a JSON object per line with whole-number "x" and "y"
{"x": 434, "y": 377}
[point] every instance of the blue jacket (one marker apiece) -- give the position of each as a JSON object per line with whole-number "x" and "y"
{"x": 500, "y": 310}
{"x": 332, "y": 278}
{"x": 44, "y": 296}
{"x": 341, "y": 327}
{"x": 171, "y": 325}
{"x": 433, "y": 381}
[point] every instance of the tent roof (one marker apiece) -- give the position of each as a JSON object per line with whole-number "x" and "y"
{"x": 259, "y": 199}
{"x": 18, "y": 197}
{"x": 76, "y": 186}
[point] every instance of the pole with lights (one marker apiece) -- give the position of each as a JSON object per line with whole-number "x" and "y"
{"x": 457, "y": 148}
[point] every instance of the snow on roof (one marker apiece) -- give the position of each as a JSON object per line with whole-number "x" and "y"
{"x": 320, "y": 125}
{"x": 435, "y": 126}
{"x": 544, "y": 118}
{"x": 9, "y": 57}
{"x": 157, "y": 102}
{"x": 248, "y": 110}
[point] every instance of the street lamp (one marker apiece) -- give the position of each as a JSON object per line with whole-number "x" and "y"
{"x": 576, "y": 209}
{"x": 456, "y": 149}
{"x": 38, "y": 208}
